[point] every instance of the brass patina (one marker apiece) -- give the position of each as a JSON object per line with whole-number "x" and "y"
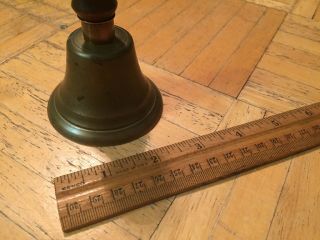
{"x": 104, "y": 98}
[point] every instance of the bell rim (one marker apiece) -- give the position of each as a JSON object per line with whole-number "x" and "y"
{"x": 110, "y": 137}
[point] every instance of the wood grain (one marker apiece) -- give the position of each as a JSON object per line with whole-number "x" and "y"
{"x": 300, "y": 195}
{"x": 184, "y": 51}
{"x": 174, "y": 30}
{"x": 13, "y": 92}
{"x": 276, "y": 93}
{"x": 285, "y": 5}
{"x": 149, "y": 25}
{"x": 316, "y": 15}
{"x": 302, "y": 27}
{"x": 209, "y": 62}
{"x": 134, "y": 12}
{"x": 188, "y": 207}
{"x": 291, "y": 70}
{"x": 294, "y": 55}
{"x": 305, "y": 8}
{"x": 236, "y": 72}
{"x": 182, "y": 46}
{"x": 298, "y": 42}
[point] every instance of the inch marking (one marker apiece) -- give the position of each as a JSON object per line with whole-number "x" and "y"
{"x": 100, "y": 192}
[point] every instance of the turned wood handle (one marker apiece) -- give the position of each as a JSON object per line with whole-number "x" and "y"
{"x": 95, "y": 11}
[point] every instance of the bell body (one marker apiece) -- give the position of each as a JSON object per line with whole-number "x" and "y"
{"x": 104, "y": 98}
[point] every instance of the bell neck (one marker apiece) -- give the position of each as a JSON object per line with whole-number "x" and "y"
{"x": 98, "y": 32}
{"x": 96, "y": 19}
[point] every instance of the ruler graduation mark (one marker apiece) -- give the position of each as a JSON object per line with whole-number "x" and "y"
{"x": 101, "y": 192}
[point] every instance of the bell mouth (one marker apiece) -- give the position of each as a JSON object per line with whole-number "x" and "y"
{"x": 110, "y": 137}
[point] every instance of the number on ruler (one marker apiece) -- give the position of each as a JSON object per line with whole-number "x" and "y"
{"x": 229, "y": 156}
{"x": 213, "y": 162}
{"x": 177, "y": 173}
{"x": 275, "y": 122}
{"x": 308, "y": 112}
{"x": 139, "y": 186}
{"x": 246, "y": 151}
{"x": 159, "y": 179}
{"x": 118, "y": 193}
{"x": 96, "y": 200}
{"x": 155, "y": 159}
{"x": 276, "y": 141}
{"x": 316, "y": 128}
{"x": 303, "y": 132}
{"x": 195, "y": 167}
{"x": 261, "y": 146}
{"x": 239, "y": 134}
{"x": 73, "y": 208}
{"x": 198, "y": 146}
{"x": 290, "y": 137}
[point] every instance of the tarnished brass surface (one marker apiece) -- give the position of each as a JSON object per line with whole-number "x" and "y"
{"x": 104, "y": 98}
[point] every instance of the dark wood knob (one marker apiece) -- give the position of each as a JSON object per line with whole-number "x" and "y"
{"x": 95, "y": 10}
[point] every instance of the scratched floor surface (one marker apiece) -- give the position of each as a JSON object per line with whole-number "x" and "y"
{"x": 218, "y": 63}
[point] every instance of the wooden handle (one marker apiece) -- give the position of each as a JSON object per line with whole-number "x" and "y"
{"x": 95, "y": 11}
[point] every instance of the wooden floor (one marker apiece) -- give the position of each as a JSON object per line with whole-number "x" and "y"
{"x": 218, "y": 63}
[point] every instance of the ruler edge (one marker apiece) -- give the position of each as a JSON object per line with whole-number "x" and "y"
{"x": 194, "y": 138}
{"x": 185, "y": 190}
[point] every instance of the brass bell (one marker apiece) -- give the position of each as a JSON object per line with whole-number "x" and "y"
{"x": 104, "y": 98}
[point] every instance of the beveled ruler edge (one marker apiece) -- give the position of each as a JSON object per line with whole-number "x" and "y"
{"x": 104, "y": 174}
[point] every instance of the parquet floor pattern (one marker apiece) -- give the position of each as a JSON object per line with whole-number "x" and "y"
{"x": 218, "y": 63}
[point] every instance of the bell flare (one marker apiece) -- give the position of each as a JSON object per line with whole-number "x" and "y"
{"x": 104, "y": 99}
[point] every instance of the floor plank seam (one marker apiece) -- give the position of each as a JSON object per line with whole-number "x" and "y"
{"x": 283, "y": 7}
{"x": 187, "y": 101}
{"x": 315, "y": 13}
{"x": 131, "y": 5}
{"x": 236, "y": 49}
{"x": 277, "y": 204}
{"x": 259, "y": 107}
{"x": 187, "y": 79}
{"x": 126, "y": 230}
{"x": 54, "y": 45}
{"x": 226, "y": 202}
{"x": 26, "y": 167}
{"x": 274, "y": 95}
{"x": 294, "y": 34}
{"x": 176, "y": 124}
{"x": 226, "y": 228}
{"x": 178, "y": 97}
{"x": 155, "y": 60}
{"x": 67, "y": 142}
{"x": 21, "y": 51}
{"x": 286, "y": 77}
{"x": 18, "y": 225}
{"x": 23, "y": 82}
{"x": 48, "y": 65}
{"x": 307, "y": 18}
{"x": 208, "y": 43}
{"x": 160, "y": 27}
{"x": 146, "y": 14}
{"x": 42, "y": 3}
{"x": 262, "y": 55}
{"x": 289, "y": 60}
{"x": 165, "y": 213}
{"x": 33, "y": 63}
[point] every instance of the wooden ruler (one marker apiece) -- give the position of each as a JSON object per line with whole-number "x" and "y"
{"x": 101, "y": 192}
